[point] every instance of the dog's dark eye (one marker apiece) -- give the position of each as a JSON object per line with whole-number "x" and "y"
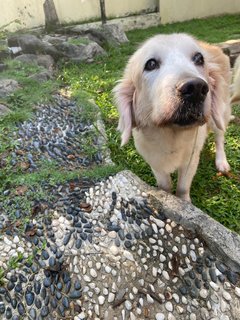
{"x": 198, "y": 59}
{"x": 151, "y": 64}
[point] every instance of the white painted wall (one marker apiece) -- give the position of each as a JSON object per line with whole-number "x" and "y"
{"x": 181, "y": 10}
{"x": 31, "y": 14}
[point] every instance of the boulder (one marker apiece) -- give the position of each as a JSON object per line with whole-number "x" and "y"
{"x": 33, "y": 45}
{"x": 54, "y": 39}
{"x": 3, "y": 67}
{"x": 79, "y": 53}
{"x": 4, "y": 54}
{"x": 4, "y": 110}
{"x": 112, "y": 34}
{"x": 231, "y": 48}
{"x": 41, "y": 76}
{"x": 7, "y": 86}
{"x": 28, "y": 42}
{"x": 45, "y": 61}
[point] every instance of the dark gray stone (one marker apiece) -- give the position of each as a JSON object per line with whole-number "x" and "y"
{"x": 42, "y": 60}
{"x": 7, "y": 86}
{"x": 33, "y": 45}
{"x": 112, "y": 34}
{"x": 41, "y": 76}
{"x": 4, "y": 110}
{"x": 79, "y": 53}
{"x": 3, "y": 67}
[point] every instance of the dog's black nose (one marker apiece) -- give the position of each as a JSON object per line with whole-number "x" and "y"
{"x": 193, "y": 90}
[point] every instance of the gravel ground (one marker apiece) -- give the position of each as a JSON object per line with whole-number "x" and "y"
{"x": 58, "y": 133}
{"x": 99, "y": 249}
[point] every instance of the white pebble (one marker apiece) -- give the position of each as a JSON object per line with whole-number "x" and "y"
{"x": 101, "y": 300}
{"x": 184, "y": 300}
{"x": 128, "y": 255}
{"x": 169, "y": 306}
{"x": 131, "y": 296}
{"x": 155, "y": 228}
{"x": 160, "y": 316}
{"x": 154, "y": 272}
{"x": 166, "y": 275}
{"x": 149, "y": 299}
{"x": 108, "y": 269}
{"x": 96, "y": 309}
{"x": 214, "y": 285}
{"x": 128, "y": 305}
{"x": 98, "y": 265}
{"x": 111, "y": 297}
{"x": 86, "y": 278}
{"x": 193, "y": 316}
{"x": 203, "y": 293}
{"x": 177, "y": 239}
{"x": 162, "y": 258}
{"x": 237, "y": 291}
{"x": 184, "y": 249}
{"x": 176, "y": 297}
{"x": 193, "y": 255}
{"x": 179, "y": 309}
{"x": 141, "y": 282}
{"x": 175, "y": 249}
{"x": 105, "y": 291}
{"x": 16, "y": 239}
{"x": 112, "y": 234}
{"x": 168, "y": 228}
{"x": 226, "y": 296}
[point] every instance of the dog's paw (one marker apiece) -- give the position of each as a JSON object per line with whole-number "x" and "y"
{"x": 222, "y": 166}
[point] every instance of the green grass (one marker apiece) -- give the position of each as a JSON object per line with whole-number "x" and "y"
{"x": 217, "y": 195}
{"x": 78, "y": 41}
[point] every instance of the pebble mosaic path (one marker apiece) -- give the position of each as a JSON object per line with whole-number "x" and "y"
{"x": 102, "y": 249}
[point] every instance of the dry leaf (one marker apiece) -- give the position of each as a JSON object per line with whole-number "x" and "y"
{"x": 21, "y": 190}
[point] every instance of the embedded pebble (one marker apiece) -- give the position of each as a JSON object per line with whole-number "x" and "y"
{"x": 101, "y": 300}
{"x": 169, "y": 306}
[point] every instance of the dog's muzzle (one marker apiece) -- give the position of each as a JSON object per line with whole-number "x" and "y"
{"x": 191, "y": 94}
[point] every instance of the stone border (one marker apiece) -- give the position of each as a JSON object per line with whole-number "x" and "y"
{"x": 222, "y": 241}
{"x": 142, "y": 21}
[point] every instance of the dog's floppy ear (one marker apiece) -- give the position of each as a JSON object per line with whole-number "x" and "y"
{"x": 217, "y": 90}
{"x": 124, "y": 94}
{"x": 219, "y": 81}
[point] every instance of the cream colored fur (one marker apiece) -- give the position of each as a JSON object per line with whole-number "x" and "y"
{"x": 235, "y": 98}
{"x": 146, "y": 102}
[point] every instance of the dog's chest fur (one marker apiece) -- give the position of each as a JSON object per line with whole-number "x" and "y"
{"x": 166, "y": 149}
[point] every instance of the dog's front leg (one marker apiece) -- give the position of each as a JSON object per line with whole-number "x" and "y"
{"x": 185, "y": 177}
{"x": 164, "y": 181}
{"x": 222, "y": 164}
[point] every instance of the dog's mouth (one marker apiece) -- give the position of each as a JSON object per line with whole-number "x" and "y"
{"x": 188, "y": 114}
{"x": 190, "y": 102}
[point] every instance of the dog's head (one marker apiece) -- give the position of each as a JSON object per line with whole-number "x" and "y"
{"x": 169, "y": 81}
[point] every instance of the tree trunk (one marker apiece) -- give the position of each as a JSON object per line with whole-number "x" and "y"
{"x": 103, "y": 12}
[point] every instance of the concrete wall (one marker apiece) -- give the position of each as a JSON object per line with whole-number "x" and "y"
{"x": 181, "y": 10}
{"x": 31, "y": 14}
{"x": 28, "y": 12}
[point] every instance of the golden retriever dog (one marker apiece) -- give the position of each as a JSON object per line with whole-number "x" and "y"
{"x": 235, "y": 98}
{"x": 173, "y": 89}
